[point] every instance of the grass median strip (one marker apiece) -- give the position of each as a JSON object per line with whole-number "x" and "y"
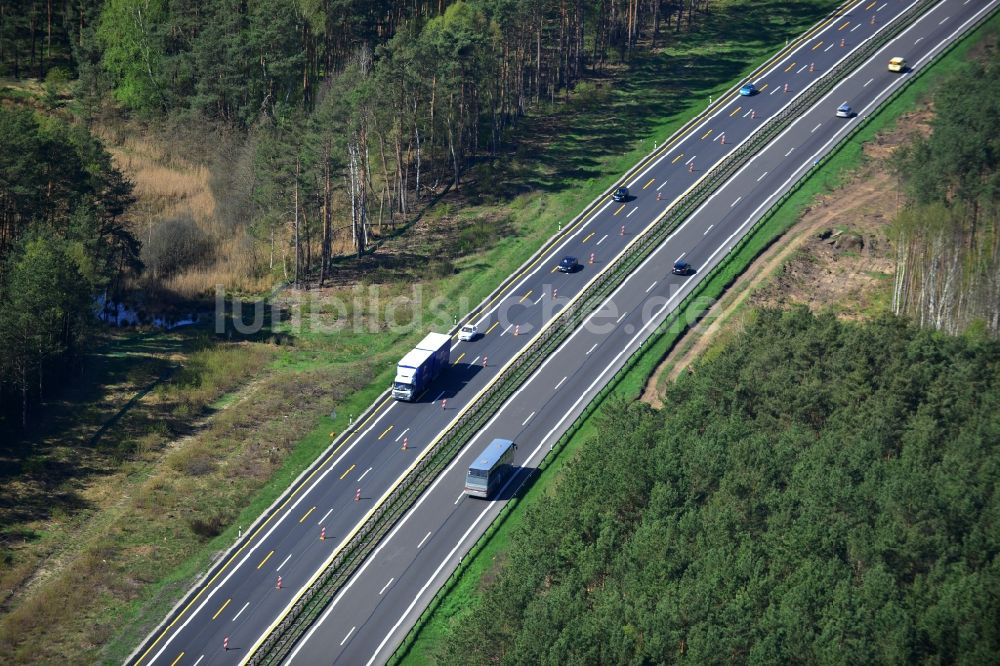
{"x": 293, "y": 625}
{"x": 423, "y": 644}
{"x": 655, "y": 97}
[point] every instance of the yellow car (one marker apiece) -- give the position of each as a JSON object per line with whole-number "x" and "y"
{"x": 897, "y": 65}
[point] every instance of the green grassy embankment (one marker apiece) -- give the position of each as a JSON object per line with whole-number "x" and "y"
{"x": 479, "y": 567}
{"x": 93, "y": 580}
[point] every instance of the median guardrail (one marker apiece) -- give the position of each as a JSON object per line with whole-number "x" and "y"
{"x": 671, "y": 320}
{"x": 364, "y": 539}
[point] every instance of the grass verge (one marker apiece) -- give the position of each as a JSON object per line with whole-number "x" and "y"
{"x": 424, "y": 643}
{"x": 181, "y": 496}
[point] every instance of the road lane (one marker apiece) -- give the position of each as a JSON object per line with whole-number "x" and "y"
{"x": 444, "y": 528}
{"x": 371, "y": 447}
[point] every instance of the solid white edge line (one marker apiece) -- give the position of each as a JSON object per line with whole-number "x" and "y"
{"x": 279, "y": 519}
{"x": 764, "y": 203}
{"x": 556, "y": 250}
{"x": 584, "y": 394}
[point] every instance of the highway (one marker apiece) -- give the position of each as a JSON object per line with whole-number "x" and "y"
{"x": 240, "y": 599}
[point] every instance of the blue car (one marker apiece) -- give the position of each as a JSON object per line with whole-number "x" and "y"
{"x": 748, "y": 90}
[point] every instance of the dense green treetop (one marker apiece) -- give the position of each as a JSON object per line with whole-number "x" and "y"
{"x": 818, "y": 492}
{"x": 64, "y": 238}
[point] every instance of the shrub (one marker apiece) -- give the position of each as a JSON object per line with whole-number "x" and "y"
{"x": 175, "y": 244}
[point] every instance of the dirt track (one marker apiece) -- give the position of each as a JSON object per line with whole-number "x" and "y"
{"x": 837, "y": 257}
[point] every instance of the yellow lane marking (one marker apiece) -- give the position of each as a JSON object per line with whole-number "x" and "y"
{"x": 222, "y": 608}
{"x": 705, "y": 135}
{"x": 818, "y": 44}
{"x": 263, "y": 561}
{"x": 789, "y": 68}
{"x": 525, "y": 296}
{"x": 674, "y": 161}
{"x": 460, "y": 357}
{"x": 250, "y": 538}
{"x": 651, "y": 181}
{"x": 591, "y": 234}
{"x": 174, "y": 662}
{"x": 303, "y": 518}
{"x": 871, "y": 5}
{"x": 385, "y": 432}
{"x": 347, "y": 472}
{"x": 494, "y": 325}
{"x": 678, "y": 136}
{"x": 762, "y": 87}
{"x": 846, "y": 23}
{"x": 735, "y": 111}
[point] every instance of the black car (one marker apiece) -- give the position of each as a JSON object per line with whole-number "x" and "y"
{"x": 682, "y": 268}
{"x": 568, "y": 264}
{"x": 621, "y": 194}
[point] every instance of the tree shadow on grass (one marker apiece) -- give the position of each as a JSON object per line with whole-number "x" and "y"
{"x": 610, "y": 116}
{"x": 98, "y": 419}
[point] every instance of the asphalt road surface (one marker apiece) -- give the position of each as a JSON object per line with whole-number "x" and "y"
{"x": 241, "y": 600}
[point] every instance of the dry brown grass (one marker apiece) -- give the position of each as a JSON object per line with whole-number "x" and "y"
{"x": 195, "y": 490}
{"x": 168, "y": 187}
{"x": 85, "y": 564}
{"x": 165, "y": 183}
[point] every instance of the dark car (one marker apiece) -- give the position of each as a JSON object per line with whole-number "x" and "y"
{"x": 621, "y": 194}
{"x": 568, "y": 264}
{"x": 682, "y": 268}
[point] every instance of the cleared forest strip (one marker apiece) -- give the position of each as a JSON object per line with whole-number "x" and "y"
{"x": 424, "y": 643}
{"x": 324, "y": 586}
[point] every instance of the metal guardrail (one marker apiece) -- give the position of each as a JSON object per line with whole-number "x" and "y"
{"x": 671, "y": 320}
{"x": 311, "y": 603}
